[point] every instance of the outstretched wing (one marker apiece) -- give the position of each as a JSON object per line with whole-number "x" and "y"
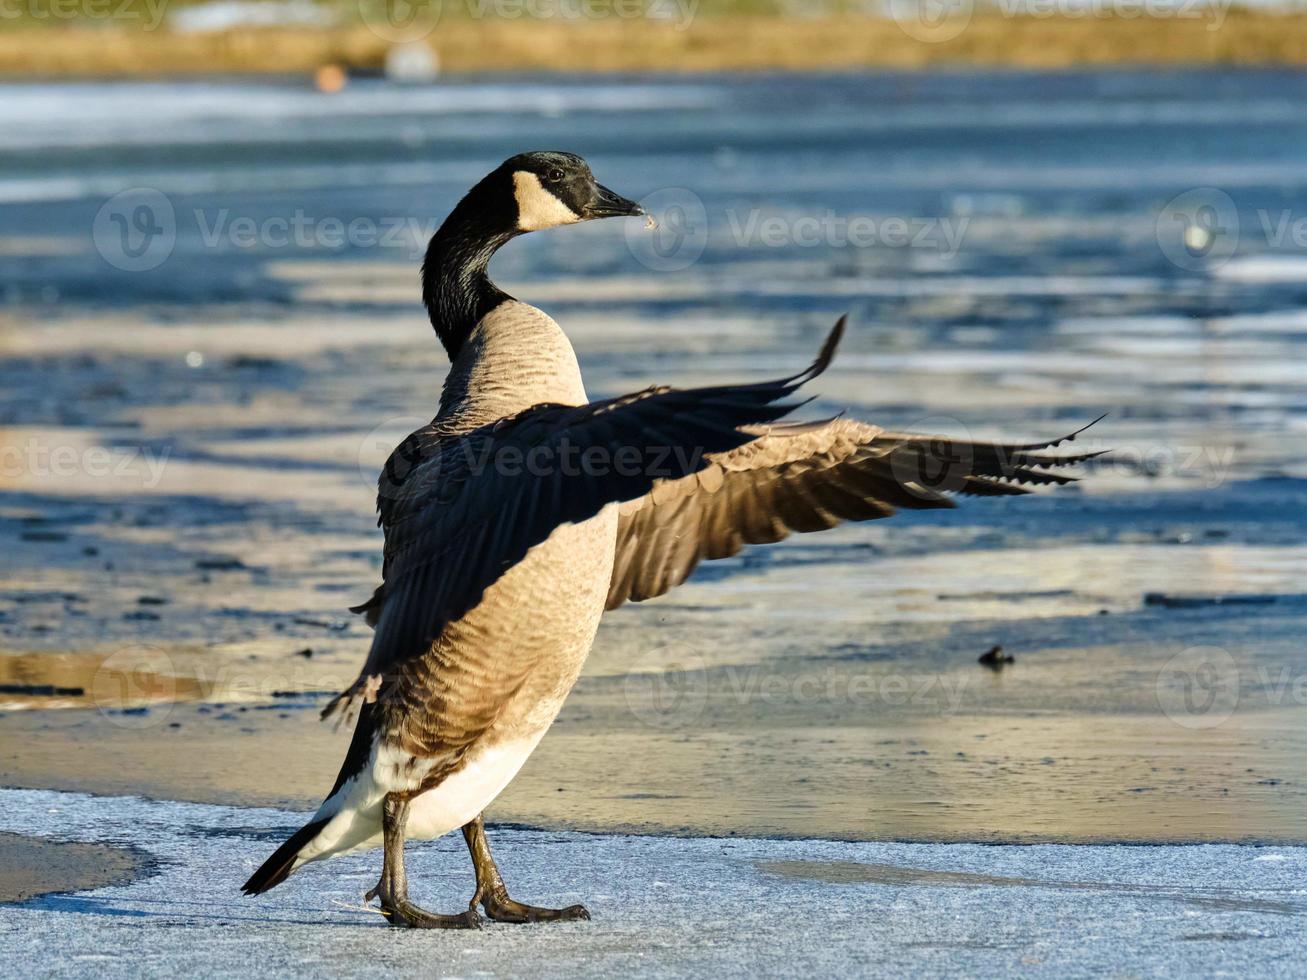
{"x": 808, "y": 477}
{"x": 470, "y": 507}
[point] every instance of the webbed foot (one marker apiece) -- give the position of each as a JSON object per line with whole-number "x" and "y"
{"x": 399, "y": 911}
{"x": 501, "y": 908}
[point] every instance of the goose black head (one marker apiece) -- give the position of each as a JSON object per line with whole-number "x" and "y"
{"x": 552, "y": 188}
{"x": 527, "y": 192}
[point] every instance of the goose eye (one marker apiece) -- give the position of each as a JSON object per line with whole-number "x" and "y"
{"x": 555, "y": 175}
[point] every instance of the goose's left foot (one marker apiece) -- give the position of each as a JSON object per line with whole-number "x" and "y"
{"x": 501, "y": 908}
{"x": 492, "y": 894}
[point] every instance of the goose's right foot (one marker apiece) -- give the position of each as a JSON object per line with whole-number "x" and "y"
{"x": 492, "y": 895}
{"x": 392, "y": 889}
{"x": 401, "y": 912}
{"x": 501, "y": 908}
{"x": 404, "y": 914}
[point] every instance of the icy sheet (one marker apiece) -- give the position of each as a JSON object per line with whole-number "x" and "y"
{"x": 661, "y": 906}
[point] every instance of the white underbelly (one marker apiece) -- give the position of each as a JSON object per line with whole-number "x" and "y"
{"x": 355, "y": 811}
{"x": 466, "y": 793}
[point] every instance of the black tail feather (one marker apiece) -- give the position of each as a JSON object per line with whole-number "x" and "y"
{"x": 276, "y": 869}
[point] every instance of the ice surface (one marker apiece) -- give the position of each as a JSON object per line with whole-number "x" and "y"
{"x": 662, "y": 906}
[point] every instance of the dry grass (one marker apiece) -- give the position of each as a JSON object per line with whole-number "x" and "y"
{"x": 734, "y": 42}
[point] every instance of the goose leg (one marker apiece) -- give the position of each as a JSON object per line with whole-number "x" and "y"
{"x": 392, "y": 889}
{"x": 493, "y": 895}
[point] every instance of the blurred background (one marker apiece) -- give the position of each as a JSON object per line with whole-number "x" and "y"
{"x": 211, "y": 219}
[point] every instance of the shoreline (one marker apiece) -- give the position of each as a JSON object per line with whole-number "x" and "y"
{"x": 620, "y": 830}
{"x": 572, "y": 784}
{"x": 711, "y": 43}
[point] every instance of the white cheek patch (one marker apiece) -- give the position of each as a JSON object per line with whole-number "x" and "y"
{"x": 536, "y": 207}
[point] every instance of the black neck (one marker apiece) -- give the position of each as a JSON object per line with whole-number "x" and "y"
{"x": 456, "y": 290}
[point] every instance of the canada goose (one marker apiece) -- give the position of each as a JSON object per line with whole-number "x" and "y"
{"x": 497, "y": 571}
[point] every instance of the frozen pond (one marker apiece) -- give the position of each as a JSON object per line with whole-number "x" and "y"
{"x": 199, "y": 378}
{"x": 662, "y": 907}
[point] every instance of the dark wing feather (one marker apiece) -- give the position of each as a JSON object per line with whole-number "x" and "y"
{"x": 808, "y": 477}
{"x": 459, "y": 511}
